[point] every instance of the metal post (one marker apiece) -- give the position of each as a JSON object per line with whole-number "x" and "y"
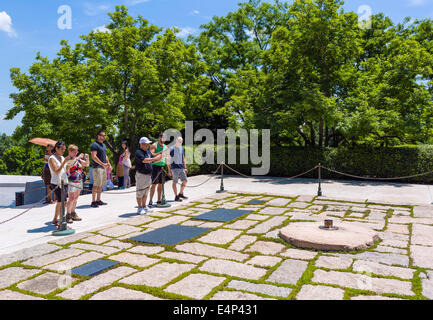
{"x": 164, "y": 203}
{"x": 221, "y": 190}
{"x": 319, "y": 192}
{"x": 63, "y": 231}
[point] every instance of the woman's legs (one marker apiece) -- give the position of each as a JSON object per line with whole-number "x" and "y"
{"x": 126, "y": 177}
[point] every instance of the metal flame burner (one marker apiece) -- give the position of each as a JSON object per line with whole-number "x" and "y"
{"x": 329, "y": 225}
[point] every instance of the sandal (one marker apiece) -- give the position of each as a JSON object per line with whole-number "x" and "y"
{"x": 55, "y": 223}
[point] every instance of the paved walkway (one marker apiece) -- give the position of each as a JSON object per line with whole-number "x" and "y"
{"x": 242, "y": 259}
{"x": 34, "y": 227}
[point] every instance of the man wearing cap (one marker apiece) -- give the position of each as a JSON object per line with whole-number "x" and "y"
{"x": 143, "y": 177}
{"x": 158, "y": 149}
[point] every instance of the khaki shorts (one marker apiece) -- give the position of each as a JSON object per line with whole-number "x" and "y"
{"x": 143, "y": 182}
{"x": 99, "y": 177}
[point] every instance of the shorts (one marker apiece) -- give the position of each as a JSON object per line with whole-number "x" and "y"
{"x": 99, "y": 177}
{"x": 157, "y": 174}
{"x": 58, "y": 192}
{"x": 143, "y": 183}
{"x": 179, "y": 174}
{"x": 74, "y": 187}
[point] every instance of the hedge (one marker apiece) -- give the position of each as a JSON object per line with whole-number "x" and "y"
{"x": 361, "y": 161}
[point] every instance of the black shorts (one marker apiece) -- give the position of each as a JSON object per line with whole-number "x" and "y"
{"x": 58, "y": 192}
{"x": 157, "y": 174}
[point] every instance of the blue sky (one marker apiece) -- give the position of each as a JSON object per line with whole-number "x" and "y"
{"x": 29, "y": 26}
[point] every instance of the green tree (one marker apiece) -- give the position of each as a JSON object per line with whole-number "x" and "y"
{"x": 131, "y": 81}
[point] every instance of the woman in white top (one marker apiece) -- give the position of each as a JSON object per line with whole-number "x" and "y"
{"x": 126, "y": 165}
{"x": 57, "y": 165}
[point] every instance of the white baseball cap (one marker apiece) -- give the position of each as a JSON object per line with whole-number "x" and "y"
{"x": 145, "y": 140}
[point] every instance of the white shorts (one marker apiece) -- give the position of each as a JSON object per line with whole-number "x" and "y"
{"x": 74, "y": 187}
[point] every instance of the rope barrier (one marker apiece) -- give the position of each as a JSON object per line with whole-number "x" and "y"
{"x": 378, "y": 179}
{"x": 204, "y": 182}
{"x": 289, "y": 178}
{"x": 32, "y": 207}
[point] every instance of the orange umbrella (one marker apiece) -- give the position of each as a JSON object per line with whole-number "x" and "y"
{"x": 43, "y": 141}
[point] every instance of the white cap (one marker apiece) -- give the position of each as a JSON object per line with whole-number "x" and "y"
{"x": 145, "y": 140}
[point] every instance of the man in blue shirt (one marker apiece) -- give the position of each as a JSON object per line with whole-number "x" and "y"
{"x": 100, "y": 164}
{"x": 178, "y": 168}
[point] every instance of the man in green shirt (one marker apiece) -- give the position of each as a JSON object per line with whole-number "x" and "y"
{"x": 158, "y": 175}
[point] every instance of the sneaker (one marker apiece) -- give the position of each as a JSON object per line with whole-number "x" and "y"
{"x": 178, "y": 199}
{"x": 140, "y": 211}
{"x": 100, "y": 203}
{"x": 148, "y": 210}
{"x": 151, "y": 204}
{"x": 182, "y": 196}
{"x": 94, "y": 205}
{"x": 75, "y": 217}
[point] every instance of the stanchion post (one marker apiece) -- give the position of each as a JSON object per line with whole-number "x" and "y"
{"x": 164, "y": 203}
{"x": 63, "y": 230}
{"x": 319, "y": 192}
{"x": 221, "y": 190}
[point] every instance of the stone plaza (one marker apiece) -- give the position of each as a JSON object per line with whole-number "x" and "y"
{"x": 242, "y": 259}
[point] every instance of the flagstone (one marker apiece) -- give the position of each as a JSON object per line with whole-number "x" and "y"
{"x": 147, "y": 250}
{"x": 118, "y": 244}
{"x": 158, "y": 275}
{"x": 289, "y": 272}
{"x": 272, "y": 211}
{"x": 166, "y": 222}
{"x": 266, "y": 226}
{"x": 267, "y": 289}
{"x": 74, "y": 262}
{"x": 234, "y": 269}
{"x": 266, "y": 247}
{"x": 422, "y": 235}
{"x": 384, "y": 270}
{"x": 278, "y": 202}
{"x": 13, "y": 275}
{"x": 43, "y": 284}
{"x": 422, "y": 256}
{"x": 390, "y": 250}
{"x": 221, "y": 236}
{"x": 257, "y": 217}
{"x": 398, "y": 228}
{"x": 92, "y": 247}
{"x": 94, "y": 284}
{"x": 53, "y": 257}
{"x": 134, "y": 259}
{"x": 310, "y": 292}
{"x": 363, "y": 282}
{"x": 298, "y": 254}
{"x": 13, "y": 295}
{"x": 264, "y": 261}
{"x": 236, "y": 295}
{"x": 241, "y": 224}
{"x": 119, "y": 293}
{"x": 334, "y": 262}
{"x": 211, "y": 251}
{"x": 182, "y": 256}
{"x": 243, "y": 241}
{"x": 195, "y": 285}
{"x": 96, "y": 239}
{"x": 28, "y": 253}
{"x": 119, "y": 231}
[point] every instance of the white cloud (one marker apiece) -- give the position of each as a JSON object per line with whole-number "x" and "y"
{"x": 6, "y": 25}
{"x": 185, "y": 32}
{"x": 416, "y": 3}
{"x": 101, "y": 29}
{"x": 195, "y": 12}
{"x": 135, "y": 2}
{"x": 93, "y": 9}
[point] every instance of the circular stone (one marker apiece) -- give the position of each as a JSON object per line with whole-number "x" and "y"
{"x": 349, "y": 237}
